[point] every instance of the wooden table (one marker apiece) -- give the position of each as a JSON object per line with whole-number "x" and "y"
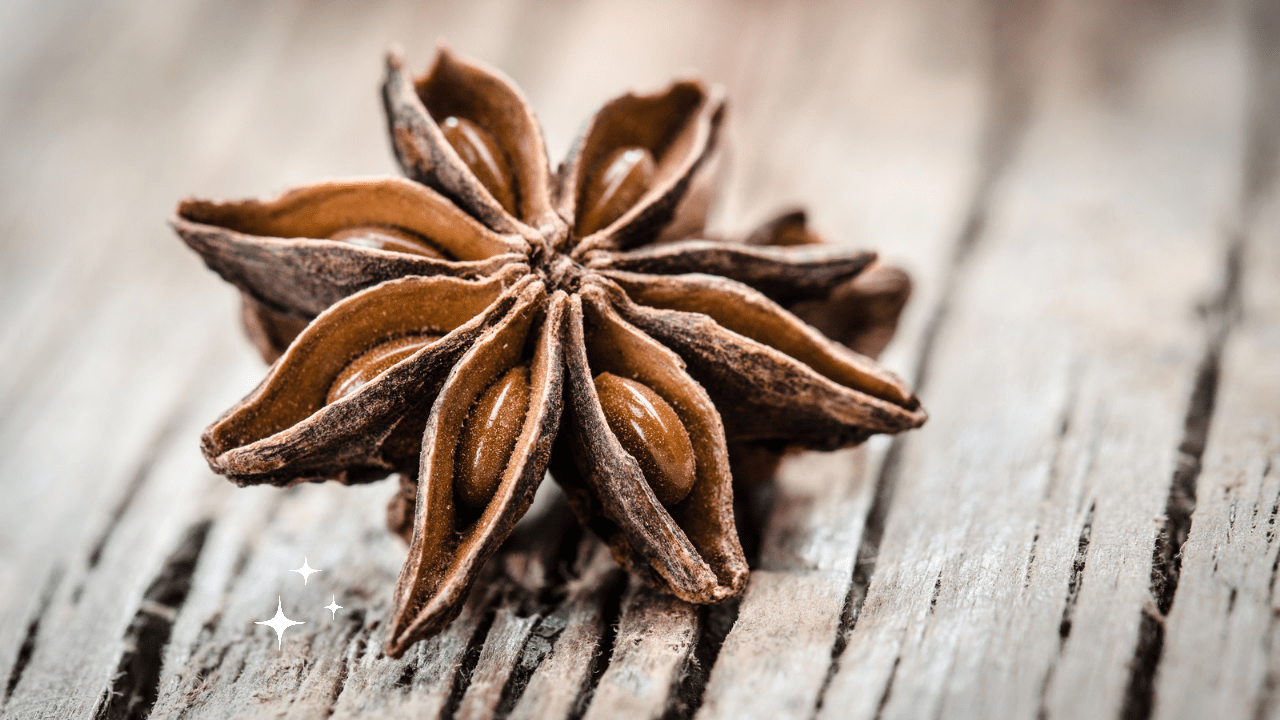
{"x": 1084, "y": 192}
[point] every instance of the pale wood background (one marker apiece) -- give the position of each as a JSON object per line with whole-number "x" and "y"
{"x": 1083, "y": 190}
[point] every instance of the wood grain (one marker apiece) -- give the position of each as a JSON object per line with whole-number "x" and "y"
{"x": 1083, "y": 192}
{"x": 1016, "y": 564}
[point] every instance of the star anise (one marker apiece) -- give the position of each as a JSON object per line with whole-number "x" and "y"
{"x": 449, "y": 326}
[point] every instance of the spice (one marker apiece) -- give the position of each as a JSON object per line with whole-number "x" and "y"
{"x": 486, "y": 319}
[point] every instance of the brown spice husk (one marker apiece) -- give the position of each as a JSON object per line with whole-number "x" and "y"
{"x": 706, "y": 325}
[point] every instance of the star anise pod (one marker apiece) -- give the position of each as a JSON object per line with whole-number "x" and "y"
{"x": 450, "y": 326}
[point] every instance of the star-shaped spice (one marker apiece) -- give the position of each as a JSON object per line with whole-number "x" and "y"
{"x": 487, "y": 319}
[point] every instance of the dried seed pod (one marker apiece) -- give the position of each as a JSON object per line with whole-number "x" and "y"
{"x": 459, "y": 88}
{"x": 400, "y": 508}
{"x": 387, "y": 237}
{"x": 690, "y": 547}
{"x": 486, "y": 159}
{"x": 453, "y": 370}
{"x": 269, "y": 330}
{"x": 781, "y": 274}
{"x": 450, "y": 544}
{"x": 279, "y": 252}
{"x": 491, "y": 431}
{"x": 650, "y": 432}
{"x": 860, "y": 310}
{"x": 787, "y": 229}
{"x": 375, "y": 361}
{"x": 287, "y": 430}
{"x": 789, "y": 381}
{"x": 677, "y": 127}
{"x": 620, "y": 180}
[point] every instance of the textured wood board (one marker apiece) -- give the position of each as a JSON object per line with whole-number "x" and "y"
{"x": 1218, "y": 658}
{"x": 1015, "y": 567}
{"x": 1067, "y": 183}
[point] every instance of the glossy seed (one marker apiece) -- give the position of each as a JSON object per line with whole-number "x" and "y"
{"x": 374, "y": 362}
{"x": 488, "y": 437}
{"x": 485, "y": 157}
{"x": 651, "y": 432}
{"x": 386, "y": 237}
{"x": 623, "y": 178}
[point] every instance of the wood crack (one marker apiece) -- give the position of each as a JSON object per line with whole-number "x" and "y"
{"x": 1015, "y": 32}
{"x": 937, "y": 590}
{"x": 1166, "y": 561}
{"x": 1031, "y": 558}
{"x": 537, "y": 646}
{"x": 1139, "y": 698}
{"x": 1074, "y": 582}
{"x": 864, "y": 566}
{"x": 357, "y": 642}
{"x": 718, "y": 620}
{"x": 137, "y": 480}
{"x": 28, "y": 646}
{"x": 1014, "y": 67}
{"x": 470, "y": 658}
{"x": 888, "y": 688}
{"x": 611, "y": 617}
{"x": 135, "y": 687}
{"x": 1076, "y": 578}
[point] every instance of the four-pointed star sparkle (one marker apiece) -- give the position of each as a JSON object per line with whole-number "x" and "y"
{"x": 333, "y": 607}
{"x": 306, "y": 570}
{"x": 279, "y": 623}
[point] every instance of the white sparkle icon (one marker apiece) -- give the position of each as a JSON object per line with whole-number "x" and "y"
{"x": 279, "y": 623}
{"x": 305, "y": 571}
{"x": 333, "y": 607}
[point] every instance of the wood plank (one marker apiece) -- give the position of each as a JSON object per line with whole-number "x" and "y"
{"x": 1219, "y": 652}
{"x": 1016, "y": 561}
{"x": 1052, "y": 438}
{"x": 655, "y": 639}
{"x": 571, "y": 638}
{"x": 792, "y": 609}
{"x": 498, "y": 658}
{"x": 122, "y": 391}
{"x": 222, "y": 144}
{"x": 780, "y": 646}
{"x": 1030, "y": 503}
{"x": 100, "y": 177}
{"x": 93, "y": 390}
{"x": 117, "y": 597}
{"x": 1220, "y": 658}
{"x": 802, "y": 591}
{"x": 78, "y": 377}
{"x": 421, "y": 683}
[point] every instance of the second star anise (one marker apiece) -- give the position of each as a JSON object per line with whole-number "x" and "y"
{"x": 487, "y": 319}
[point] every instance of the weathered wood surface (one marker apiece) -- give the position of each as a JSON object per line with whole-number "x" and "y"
{"x": 1084, "y": 193}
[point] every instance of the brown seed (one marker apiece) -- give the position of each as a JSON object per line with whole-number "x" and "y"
{"x": 485, "y": 157}
{"x": 386, "y": 237}
{"x": 623, "y": 178}
{"x": 488, "y": 437}
{"x": 374, "y": 362}
{"x": 652, "y": 433}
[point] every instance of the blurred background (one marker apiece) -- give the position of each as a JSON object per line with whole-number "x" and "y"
{"x": 889, "y": 121}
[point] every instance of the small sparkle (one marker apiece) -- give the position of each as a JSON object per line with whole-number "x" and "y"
{"x": 279, "y": 623}
{"x": 305, "y": 571}
{"x": 333, "y": 607}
